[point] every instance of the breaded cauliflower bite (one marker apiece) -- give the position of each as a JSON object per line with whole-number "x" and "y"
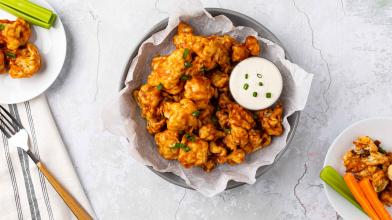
{"x": 187, "y": 103}
{"x": 17, "y": 56}
{"x": 368, "y": 160}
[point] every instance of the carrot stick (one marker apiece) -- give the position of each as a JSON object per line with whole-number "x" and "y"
{"x": 372, "y": 197}
{"x": 359, "y": 196}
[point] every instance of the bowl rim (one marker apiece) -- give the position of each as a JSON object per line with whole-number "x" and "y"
{"x": 170, "y": 177}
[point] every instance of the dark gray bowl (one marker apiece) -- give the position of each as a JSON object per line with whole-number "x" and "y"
{"x": 238, "y": 20}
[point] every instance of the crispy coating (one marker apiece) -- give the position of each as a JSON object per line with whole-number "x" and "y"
{"x": 188, "y": 106}
{"x": 271, "y": 120}
{"x": 252, "y": 44}
{"x": 196, "y": 156}
{"x": 257, "y": 140}
{"x": 26, "y": 63}
{"x": 219, "y": 79}
{"x": 240, "y": 117}
{"x": 165, "y": 141}
{"x": 167, "y": 71}
{"x": 198, "y": 88}
{"x": 2, "y": 63}
{"x": 208, "y": 132}
{"x": 16, "y": 33}
{"x": 366, "y": 161}
{"x": 240, "y": 52}
{"x": 179, "y": 115}
{"x": 386, "y": 195}
{"x": 18, "y": 57}
{"x": 236, "y": 157}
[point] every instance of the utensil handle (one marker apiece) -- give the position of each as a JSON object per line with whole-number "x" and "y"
{"x": 71, "y": 202}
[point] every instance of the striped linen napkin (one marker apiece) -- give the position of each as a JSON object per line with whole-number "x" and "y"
{"x": 25, "y": 193}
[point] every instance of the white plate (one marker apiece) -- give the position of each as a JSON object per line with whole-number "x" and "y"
{"x": 376, "y": 128}
{"x": 52, "y": 46}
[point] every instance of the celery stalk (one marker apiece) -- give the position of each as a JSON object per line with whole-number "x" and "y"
{"x": 26, "y": 16}
{"x": 29, "y": 8}
{"x": 330, "y": 176}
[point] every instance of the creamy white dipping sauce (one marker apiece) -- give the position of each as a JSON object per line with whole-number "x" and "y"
{"x": 256, "y": 83}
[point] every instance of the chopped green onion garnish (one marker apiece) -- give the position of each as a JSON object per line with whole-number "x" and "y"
{"x": 2, "y": 26}
{"x": 260, "y": 83}
{"x": 203, "y": 69}
{"x": 187, "y": 64}
{"x": 160, "y": 87}
{"x": 246, "y": 86}
{"x": 181, "y": 132}
{"x": 254, "y": 115}
{"x": 254, "y": 94}
{"x": 246, "y": 76}
{"x": 196, "y": 113}
{"x": 227, "y": 130}
{"x": 10, "y": 55}
{"x": 259, "y": 75}
{"x": 190, "y": 137}
{"x": 186, "y": 149}
{"x": 268, "y": 95}
{"x": 178, "y": 145}
{"x": 186, "y": 52}
{"x": 184, "y": 77}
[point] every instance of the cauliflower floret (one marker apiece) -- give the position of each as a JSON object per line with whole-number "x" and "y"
{"x": 16, "y": 34}
{"x": 365, "y": 143}
{"x": 353, "y": 162}
{"x": 257, "y": 140}
{"x": 252, "y": 44}
{"x": 236, "y": 157}
{"x": 167, "y": 71}
{"x": 165, "y": 141}
{"x": 219, "y": 79}
{"x": 195, "y": 155}
{"x": 198, "y": 88}
{"x": 271, "y": 120}
{"x": 240, "y": 117}
{"x": 26, "y": 63}
{"x": 181, "y": 115}
{"x": 379, "y": 181}
{"x": 208, "y": 132}
{"x": 240, "y": 52}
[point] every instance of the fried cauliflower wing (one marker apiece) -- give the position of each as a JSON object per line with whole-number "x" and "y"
{"x": 26, "y": 63}
{"x": 179, "y": 115}
{"x": 16, "y": 33}
{"x": 240, "y": 117}
{"x": 167, "y": 71}
{"x": 197, "y": 154}
{"x": 208, "y": 132}
{"x": 2, "y": 63}
{"x": 188, "y": 107}
{"x": 236, "y": 157}
{"x": 252, "y": 44}
{"x": 198, "y": 88}
{"x": 165, "y": 141}
{"x": 271, "y": 120}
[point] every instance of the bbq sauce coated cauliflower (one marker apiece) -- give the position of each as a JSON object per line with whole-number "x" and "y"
{"x": 368, "y": 159}
{"x": 188, "y": 107}
{"x": 21, "y": 58}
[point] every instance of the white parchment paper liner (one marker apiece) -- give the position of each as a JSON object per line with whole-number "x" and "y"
{"x": 123, "y": 117}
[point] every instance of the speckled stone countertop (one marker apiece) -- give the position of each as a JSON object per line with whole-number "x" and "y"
{"x": 345, "y": 43}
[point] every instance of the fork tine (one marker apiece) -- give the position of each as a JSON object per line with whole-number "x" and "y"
{"x": 15, "y": 128}
{"x": 14, "y": 120}
{"x": 4, "y": 130}
{"x": 8, "y": 126}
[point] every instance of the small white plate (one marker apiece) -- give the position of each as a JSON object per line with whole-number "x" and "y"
{"x": 376, "y": 128}
{"x": 52, "y": 45}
